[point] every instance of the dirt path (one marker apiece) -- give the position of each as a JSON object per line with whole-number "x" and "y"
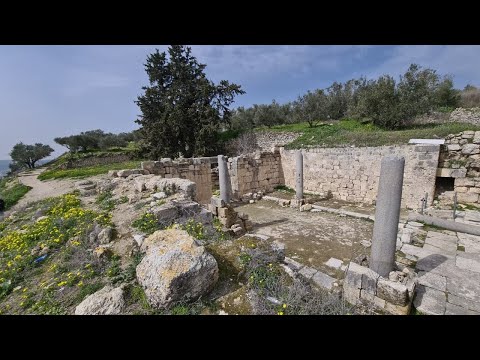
{"x": 42, "y": 189}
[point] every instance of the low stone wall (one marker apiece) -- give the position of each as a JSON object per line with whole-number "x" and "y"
{"x": 352, "y": 174}
{"x": 471, "y": 116}
{"x": 463, "y": 115}
{"x": 198, "y": 170}
{"x": 364, "y": 285}
{"x": 266, "y": 140}
{"x": 254, "y": 172}
{"x": 252, "y": 141}
{"x": 94, "y": 160}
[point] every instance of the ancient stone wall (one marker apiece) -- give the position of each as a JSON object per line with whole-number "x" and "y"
{"x": 460, "y": 159}
{"x": 463, "y": 115}
{"x": 351, "y": 174}
{"x": 198, "y": 170}
{"x": 253, "y": 172}
{"x": 252, "y": 141}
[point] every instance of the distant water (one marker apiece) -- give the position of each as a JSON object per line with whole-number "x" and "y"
{"x": 4, "y": 167}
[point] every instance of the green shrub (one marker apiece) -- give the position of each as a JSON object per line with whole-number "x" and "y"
{"x": 147, "y": 223}
{"x": 12, "y": 191}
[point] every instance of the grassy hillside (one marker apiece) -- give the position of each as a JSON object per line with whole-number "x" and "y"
{"x": 352, "y": 132}
{"x": 87, "y": 171}
{"x": 11, "y": 190}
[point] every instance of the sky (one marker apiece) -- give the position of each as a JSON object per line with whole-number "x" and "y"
{"x": 52, "y": 91}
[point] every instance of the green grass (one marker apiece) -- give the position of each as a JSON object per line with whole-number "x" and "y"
{"x": 353, "y": 132}
{"x": 12, "y": 191}
{"x": 284, "y": 188}
{"x": 88, "y": 171}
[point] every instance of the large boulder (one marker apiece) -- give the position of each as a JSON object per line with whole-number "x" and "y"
{"x": 171, "y": 186}
{"x": 107, "y": 301}
{"x": 175, "y": 268}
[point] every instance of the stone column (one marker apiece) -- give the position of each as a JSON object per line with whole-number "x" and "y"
{"x": 387, "y": 214}
{"x": 223, "y": 179}
{"x": 299, "y": 174}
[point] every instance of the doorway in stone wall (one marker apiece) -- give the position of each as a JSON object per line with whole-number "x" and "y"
{"x": 443, "y": 184}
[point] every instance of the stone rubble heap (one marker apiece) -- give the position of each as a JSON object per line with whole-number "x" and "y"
{"x": 233, "y": 222}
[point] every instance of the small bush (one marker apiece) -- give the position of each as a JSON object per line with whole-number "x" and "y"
{"x": 105, "y": 201}
{"x": 147, "y": 223}
{"x": 12, "y": 191}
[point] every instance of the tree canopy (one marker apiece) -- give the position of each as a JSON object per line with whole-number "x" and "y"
{"x": 29, "y": 155}
{"x": 182, "y": 111}
{"x": 96, "y": 140}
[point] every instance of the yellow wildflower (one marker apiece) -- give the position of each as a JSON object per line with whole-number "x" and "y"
{"x": 280, "y": 313}
{"x": 284, "y": 306}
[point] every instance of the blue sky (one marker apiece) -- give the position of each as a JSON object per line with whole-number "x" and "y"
{"x": 50, "y": 91}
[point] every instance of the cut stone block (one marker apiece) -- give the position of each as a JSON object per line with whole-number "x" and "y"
{"x": 334, "y": 263}
{"x": 429, "y": 301}
{"x": 323, "y": 280}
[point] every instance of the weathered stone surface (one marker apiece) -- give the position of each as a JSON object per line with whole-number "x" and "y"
{"x": 392, "y": 292}
{"x": 107, "y": 301}
{"x": 83, "y": 183}
{"x": 175, "y": 268}
{"x": 465, "y": 303}
{"x": 464, "y": 182}
{"x": 454, "y": 147}
{"x": 351, "y": 294}
{"x": 128, "y": 172}
{"x": 307, "y": 272}
{"x": 470, "y": 149}
{"x": 159, "y": 196}
{"x": 112, "y": 173}
{"x": 334, "y": 263}
{"x": 306, "y": 207}
{"x": 165, "y": 213}
{"x": 471, "y": 243}
{"x": 139, "y": 184}
{"x": 467, "y": 197}
{"x": 105, "y": 236}
{"x": 186, "y": 208}
{"x": 476, "y": 137}
{"x": 429, "y": 301}
{"x": 323, "y": 280}
{"x": 354, "y": 275}
{"x": 294, "y": 265}
{"x": 468, "y": 261}
{"x": 369, "y": 281}
{"x": 366, "y": 295}
{"x": 172, "y": 185}
{"x": 452, "y": 309}
{"x": 397, "y": 309}
{"x": 139, "y": 239}
{"x": 432, "y": 280}
{"x": 217, "y": 202}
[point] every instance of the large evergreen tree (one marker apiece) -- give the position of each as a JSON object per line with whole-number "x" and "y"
{"x": 182, "y": 111}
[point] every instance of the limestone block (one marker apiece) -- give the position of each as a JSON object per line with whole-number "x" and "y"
{"x": 392, "y": 292}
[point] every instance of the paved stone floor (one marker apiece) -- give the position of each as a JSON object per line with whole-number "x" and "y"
{"x": 311, "y": 238}
{"x": 448, "y": 268}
